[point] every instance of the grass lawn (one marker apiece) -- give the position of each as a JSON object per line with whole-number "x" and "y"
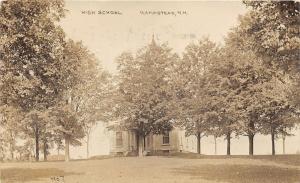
{"x": 188, "y": 168}
{"x": 293, "y": 159}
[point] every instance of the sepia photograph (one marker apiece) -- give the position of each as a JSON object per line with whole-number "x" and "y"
{"x": 95, "y": 91}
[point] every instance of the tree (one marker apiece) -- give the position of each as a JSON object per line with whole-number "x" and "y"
{"x": 10, "y": 124}
{"x": 2, "y": 147}
{"x": 59, "y": 144}
{"x": 272, "y": 29}
{"x": 30, "y": 56}
{"x": 277, "y": 122}
{"x": 32, "y": 45}
{"x": 91, "y": 95}
{"x": 262, "y": 97}
{"x": 67, "y": 123}
{"x": 85, "y": 99}
{"x": 249, "y": 78}
{"x": 38, "y": 124}
{"x": 221, "y": 92}
{"x": 143, "y": 90}
{"x": 25, "y": 150}
{"x": 189, "y": 88}
{"x": 276, "y": 25}
{"x": 47, "y": 139}
{"x": 68, "y": 127}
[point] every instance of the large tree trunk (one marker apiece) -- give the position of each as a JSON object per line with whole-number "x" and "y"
{"x": 140, "y": 145}
{"x": 67, "y": 150}
{"x": 144, "y": 141}
{"x": 11, "y": 145}
{"x": 11, "y": 151}
{"x": 228, "y": 138}
{"x": 37, "y": 145}
{"x": 273, "y": 140}
{"x": 199, "y": 142}
{"x": 45, "y": 150}
{"x": 283, "y": 144}
{"x": 251, "y": 137}
{"x": 20, "y": 155}
{"x": 87, "y": 146}
{"x": 137, "y": 143}
{"x": 215, "y": 139}
{"x": 251, "y": 140}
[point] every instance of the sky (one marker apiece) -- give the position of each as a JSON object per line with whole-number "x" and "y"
{"x": 107, "y": 36}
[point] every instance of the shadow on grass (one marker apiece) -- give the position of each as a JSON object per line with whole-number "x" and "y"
{"x": 292, "y": 159}
{"x": 242, "y": 173}
{"x": 11, "y": 175}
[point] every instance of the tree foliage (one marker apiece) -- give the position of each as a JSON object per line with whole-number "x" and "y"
{"x": 272, "y": 29}
{"x": 143, "y": 85}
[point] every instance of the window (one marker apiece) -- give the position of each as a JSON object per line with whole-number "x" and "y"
{"x": 166, "y": 138}
{"x": 119, "y": 140}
